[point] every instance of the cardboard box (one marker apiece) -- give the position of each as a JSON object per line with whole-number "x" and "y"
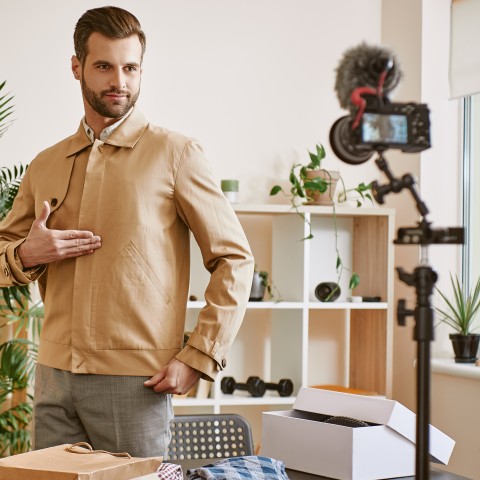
{"x": 65, "y": 463}
{"x": 384, "y": 449}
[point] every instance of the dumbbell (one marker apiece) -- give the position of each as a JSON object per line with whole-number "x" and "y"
{"x": 284, "y": 387}
{"x": 255, "y": 386}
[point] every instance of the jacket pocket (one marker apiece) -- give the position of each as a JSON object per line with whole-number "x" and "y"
{"x": 133, "y": 311}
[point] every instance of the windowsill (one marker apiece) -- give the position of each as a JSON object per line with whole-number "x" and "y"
{"x": 447, "y": 366}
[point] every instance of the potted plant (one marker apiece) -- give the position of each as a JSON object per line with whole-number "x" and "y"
{"x": 17, "y": 317}
{"x": 261, "y": 283}
{"x": 311, "y": 184}
{"x": 460, "y": 313}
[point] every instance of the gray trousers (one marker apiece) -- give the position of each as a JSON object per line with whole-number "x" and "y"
{"x": 110, "y": 412}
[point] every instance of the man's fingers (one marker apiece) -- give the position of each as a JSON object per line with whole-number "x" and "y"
{"x": 43, "y": 217}
{"x": 155, "y": 379}
{"x": 75, "y": 235}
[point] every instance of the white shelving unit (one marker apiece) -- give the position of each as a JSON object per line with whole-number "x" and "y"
{"x": 310, "y": 342}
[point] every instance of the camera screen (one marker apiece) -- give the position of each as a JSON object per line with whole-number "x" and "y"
{"x": 383, "y": 128}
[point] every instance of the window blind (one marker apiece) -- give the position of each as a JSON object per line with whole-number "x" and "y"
{"x": 464, "y": 48}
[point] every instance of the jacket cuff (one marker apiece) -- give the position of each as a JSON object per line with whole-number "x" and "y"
{"x": 200, "y": 361}
{"x": 20, "y": 274}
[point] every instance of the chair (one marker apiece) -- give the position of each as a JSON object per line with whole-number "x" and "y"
{"x": 214, "y": 436}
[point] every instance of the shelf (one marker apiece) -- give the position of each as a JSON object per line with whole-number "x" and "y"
{"x": 267, "y": 399}
{"x": 340, "y": 210}
{"x": 347, "y": 306}
{"x": 256, "y": 305}
{"x": 300, "y": 305}
{"x": 447, "y": 366}
{"x": 302, "y": 339}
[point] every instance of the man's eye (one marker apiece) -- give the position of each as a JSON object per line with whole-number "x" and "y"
{"x": 131, "y": 69}
{"x": 102, "y": 67}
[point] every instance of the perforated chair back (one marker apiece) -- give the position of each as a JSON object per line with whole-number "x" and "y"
{"x": 213, "y": 436}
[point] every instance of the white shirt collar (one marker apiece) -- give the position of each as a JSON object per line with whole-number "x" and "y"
{"x": 107, "y": 131}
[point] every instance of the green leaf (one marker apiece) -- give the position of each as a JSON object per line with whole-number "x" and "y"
{"x": 354, "y": 281}
{"x": 320, "y": 151}
{"x": 276, "y": 189}
{"x": 460, "y": 312}
{"x": 315, "y": 162}
{"x": 339, "y": 262}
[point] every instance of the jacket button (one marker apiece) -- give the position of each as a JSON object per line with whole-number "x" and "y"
{"x": 224, "y": 363}
{"x": 53, "y": 202}
{"x": 6, "y": 271}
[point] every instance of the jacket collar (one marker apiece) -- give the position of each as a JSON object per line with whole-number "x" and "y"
{"x": 126, "y": 135}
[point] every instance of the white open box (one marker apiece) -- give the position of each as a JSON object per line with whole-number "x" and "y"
{"x": 384, "y": 450}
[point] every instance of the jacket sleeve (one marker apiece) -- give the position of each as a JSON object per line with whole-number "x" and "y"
{"x": 226, "y": 255}
{"x": 13, "y": 231}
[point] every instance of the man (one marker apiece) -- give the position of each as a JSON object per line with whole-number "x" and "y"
{"x": 102, "y": 220}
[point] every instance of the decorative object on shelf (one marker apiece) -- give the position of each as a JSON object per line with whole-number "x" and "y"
{"x": 327, "y": 291}
{"x": 257, "y": 387}
{"x": 370, "y": 299}
{"x": 313, "y": 185}
{"x": 284, "y": 387}
{"x": 309, "y": 182}
{"x": 460, "y": 314}
{"x": 305, "y": 189}
{"x": 230, "y": 189}
{"x": 254, "y": 386}
{"x": 261, "y": 283}
{"x": 355, "y": 299}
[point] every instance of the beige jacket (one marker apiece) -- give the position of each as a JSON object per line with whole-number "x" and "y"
{"x": 121, "y": 310}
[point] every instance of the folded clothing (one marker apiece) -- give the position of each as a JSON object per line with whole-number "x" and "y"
{"x": 170, "y": 471}
{"x": 239, "y": 468}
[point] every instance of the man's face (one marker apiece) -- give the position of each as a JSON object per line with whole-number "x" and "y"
{"x": 110, "y": 76}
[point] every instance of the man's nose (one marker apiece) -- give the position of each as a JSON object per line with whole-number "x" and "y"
{"x": 118, "y": 80}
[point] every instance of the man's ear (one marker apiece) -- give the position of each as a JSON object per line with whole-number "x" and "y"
{"x": 76, "y": 67}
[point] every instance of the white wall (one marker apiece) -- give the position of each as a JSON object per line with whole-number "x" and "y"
{"x": 252, "y": 80}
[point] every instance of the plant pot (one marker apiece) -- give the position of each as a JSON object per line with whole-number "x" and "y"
{"x": 258, "y": 288}
{"x": 465, "y": 347}
{"x": 328, "y": 197}
{"x": 230, "y": 190}
{"x": 327, "y": 291}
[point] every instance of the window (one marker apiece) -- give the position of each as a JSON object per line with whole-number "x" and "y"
{"x": 471, "y": 189}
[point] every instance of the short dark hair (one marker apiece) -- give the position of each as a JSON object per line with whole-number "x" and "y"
{"x": 112, "y": 22}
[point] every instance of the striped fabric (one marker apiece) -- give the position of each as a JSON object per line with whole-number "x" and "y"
{"x": 239, "y": 468}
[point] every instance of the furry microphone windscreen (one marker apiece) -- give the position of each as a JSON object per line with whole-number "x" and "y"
{"x": 361, "y": 66}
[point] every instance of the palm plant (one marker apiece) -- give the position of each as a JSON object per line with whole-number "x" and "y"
{"x": 460, "y": 313}
{"x": 17, "y": 355}
{"x": 6, "y": 109}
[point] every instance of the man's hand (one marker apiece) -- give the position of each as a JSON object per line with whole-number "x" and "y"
{"x": 176, "y": 377}
{"x": 45, "y": 246}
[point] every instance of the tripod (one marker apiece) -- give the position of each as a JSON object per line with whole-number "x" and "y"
{"x": 423, "y": 279}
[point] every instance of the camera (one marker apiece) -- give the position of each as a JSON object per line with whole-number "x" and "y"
{"x": 381, "y": 125}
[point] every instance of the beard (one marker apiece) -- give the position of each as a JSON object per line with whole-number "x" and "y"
{"x": 110, "y": 110}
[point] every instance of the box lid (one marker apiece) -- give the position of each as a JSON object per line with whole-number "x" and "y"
{"x": 373, "y": 410}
